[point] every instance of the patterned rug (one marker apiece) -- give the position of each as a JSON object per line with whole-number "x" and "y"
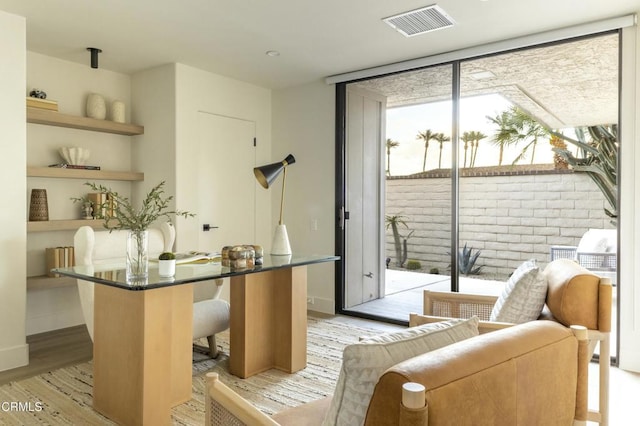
{"x": 63, "y": 397}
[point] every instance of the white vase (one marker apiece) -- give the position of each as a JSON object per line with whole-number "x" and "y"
{"x": 167, "y": 268}
{"x": 137, "y": 257}
{"x": 96, "y": 107}
{"x": 118, "y": 112}
{"x": 281, "y": 246}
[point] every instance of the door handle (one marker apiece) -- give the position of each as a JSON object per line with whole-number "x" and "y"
{"x": 369, "y": 275}
{"x": 207, "y": 227}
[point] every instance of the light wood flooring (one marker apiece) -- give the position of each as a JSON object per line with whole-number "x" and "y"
{"x": 52, "y": 350}
{"x": 60, "y": 348}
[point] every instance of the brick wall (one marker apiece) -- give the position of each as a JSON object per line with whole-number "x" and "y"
{"x": 510, "y": 217}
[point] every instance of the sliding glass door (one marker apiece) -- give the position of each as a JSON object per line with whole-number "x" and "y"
{"x": 480, "y": 165}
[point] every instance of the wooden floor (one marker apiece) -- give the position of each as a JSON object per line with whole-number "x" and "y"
{"x": 52, "y": 350}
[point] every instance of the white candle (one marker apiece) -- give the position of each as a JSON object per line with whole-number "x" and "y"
{"x": 413, "y": 395}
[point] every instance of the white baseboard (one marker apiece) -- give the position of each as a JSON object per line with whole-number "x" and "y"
{"x": 325, "y": 306}
{"x": 54, "y": 321}
{"x": 14, "y": 357}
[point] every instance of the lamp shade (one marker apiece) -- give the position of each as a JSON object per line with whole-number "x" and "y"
{"x": 268, "y": 173}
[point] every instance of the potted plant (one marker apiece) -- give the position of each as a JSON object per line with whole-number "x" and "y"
{"x": 167, "y": 264}
{"x": 122, "y": 215}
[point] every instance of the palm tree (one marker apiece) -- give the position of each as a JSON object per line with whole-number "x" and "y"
{"x": 466, "y": 138}
{"x": 426, "y": 136}
{"x": 516, "y": 126}
{"x": 441, "y": 138}
{"x": 476, "y": 137}
{"x": 505, "y": 135}
{"x": 390, "y": 144}
{"x": 529, "y": 130}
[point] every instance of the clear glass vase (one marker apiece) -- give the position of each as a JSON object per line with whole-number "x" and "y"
{"x": 137, "y": 256}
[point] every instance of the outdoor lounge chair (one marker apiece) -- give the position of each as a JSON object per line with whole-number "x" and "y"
{"x": 596, "y": 251}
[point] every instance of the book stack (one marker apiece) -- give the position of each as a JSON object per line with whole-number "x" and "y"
{"x": 58, "y": 257}
{"x": 102, "y": 204}
{"x": 42, "y": 103}
{"x": 74, "y": 166}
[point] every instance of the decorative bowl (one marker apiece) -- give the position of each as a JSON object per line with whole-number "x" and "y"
{"x": 74, "y": 155}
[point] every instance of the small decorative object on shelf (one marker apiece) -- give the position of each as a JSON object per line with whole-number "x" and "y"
{"x": 86, "y": 205}
{"x": 96, "y": 107}
{"x": 37, "y": 93}
{"x": 38, "y": 99}
{"x": 74, "y": 155}
{"x": 167, "y": 265}
{"x": 154, "y": 206}
{"x": 39, "y": 207}
{"x": 118, "y": 112}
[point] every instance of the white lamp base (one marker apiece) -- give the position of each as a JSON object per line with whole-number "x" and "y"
{"x": 281, "y": 246}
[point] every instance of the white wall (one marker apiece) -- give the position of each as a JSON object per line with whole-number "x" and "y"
{"x": 14, "y": 352}
{"x": 196, "y": 91}
{"x": 68, "y": 83}
{"x": 304, "y": 125}
{"x": 154, "y": 106}
{"x": 168, "y": 101}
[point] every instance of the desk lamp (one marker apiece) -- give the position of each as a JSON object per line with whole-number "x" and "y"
{"x": 266, "y": 175}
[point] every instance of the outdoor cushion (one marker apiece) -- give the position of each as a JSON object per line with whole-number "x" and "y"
{"x": 363, "y": 363}
{"x": 594, "y": 241}
{"x": 523, "y": 296}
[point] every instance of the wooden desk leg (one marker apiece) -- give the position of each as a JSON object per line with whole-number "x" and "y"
{"x": 142, "y": 353}
{"x": 268, "y": 321}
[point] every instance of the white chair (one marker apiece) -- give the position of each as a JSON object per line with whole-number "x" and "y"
{"x": 210, "y": 316}
{"x": 596, "y": 251}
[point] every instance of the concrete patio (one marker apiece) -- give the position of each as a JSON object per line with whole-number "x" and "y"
{"x": 404, "y": 295}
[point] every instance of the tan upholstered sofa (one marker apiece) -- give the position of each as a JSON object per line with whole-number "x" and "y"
{"x": 574, "y": 296}
{"x": 535, "y": 373}
{"x": 529, "y": 374}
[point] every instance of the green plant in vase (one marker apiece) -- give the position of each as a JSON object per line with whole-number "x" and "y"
{"x": 122, "y": 215}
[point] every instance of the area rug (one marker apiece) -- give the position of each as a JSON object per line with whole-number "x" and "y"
{"x": 63, "y": 397}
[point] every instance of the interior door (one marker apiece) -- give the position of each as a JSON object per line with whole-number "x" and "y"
{"x": 226, "y": 158}
{"x": 364, "y": 273}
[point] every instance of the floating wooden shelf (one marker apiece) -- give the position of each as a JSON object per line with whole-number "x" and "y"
{"x": 55, "y": 172}
{"x": 44, "y": 282}
{"x": 53, "y": 118}
{"x": 63, "y": 225}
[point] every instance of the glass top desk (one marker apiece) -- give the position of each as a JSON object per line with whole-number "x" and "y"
{"x": 142, "y": 349}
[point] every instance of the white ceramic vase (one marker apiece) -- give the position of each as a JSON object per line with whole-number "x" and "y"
{"x": 167, "y": 268}
{"x": 96, "y": 107}
{"x": 118, "y": 111}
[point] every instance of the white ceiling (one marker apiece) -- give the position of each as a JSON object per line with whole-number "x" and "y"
{"x": 315, "y": 39}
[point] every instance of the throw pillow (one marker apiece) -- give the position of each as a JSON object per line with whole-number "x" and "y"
{"x": 363, "y": 363}
{"x": 523, "y": 296}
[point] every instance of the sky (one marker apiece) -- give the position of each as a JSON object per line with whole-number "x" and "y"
{"x": 404, "y": 123}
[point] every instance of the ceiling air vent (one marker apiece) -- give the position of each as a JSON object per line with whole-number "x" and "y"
{"x": 420, "y": 21}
